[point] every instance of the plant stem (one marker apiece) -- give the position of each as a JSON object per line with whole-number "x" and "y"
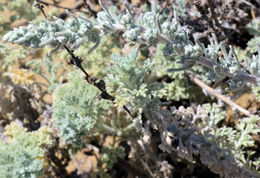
{"x": 212, "y": 92}
{"x": 241, "y": 76}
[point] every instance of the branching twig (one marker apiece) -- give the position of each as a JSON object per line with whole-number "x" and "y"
{"x": 100, "y": 85}
{"x": 77, "y": 62}
{"x": 202, "y": 60}
{"x": 39, "y": 6}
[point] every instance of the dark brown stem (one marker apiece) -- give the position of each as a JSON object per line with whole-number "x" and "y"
{"x": 77, "y": 62}
{"x": 100, "y": 85}
{"x": 39, "y": 6}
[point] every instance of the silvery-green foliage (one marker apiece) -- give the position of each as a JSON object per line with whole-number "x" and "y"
{"x": 226, "y": 66}
{"x": 212, "y": 53}
{"x": 77, "y": 109}
{"x": 7, "y": 58}
{"x": 230, "y": 61}
{"x": 180, "y": 7}
{"x": 150, "y": 23}
{"x": 23, "y": 156}
{"x": 254, "y": 27}
{"x": 180, "y": 46}
{"x": 107, "y": 20}
{"x": 73, "y": 32}
{"x": 189, "y": 54}
{"x": 16, "y": 161}
{"x": 214, "y": 115}
{"x": 256, "y": 90}
{"x": 154, "y": 28}
{"x": 253, "y": 44}
{"x": 179, "y": 88}
{"x": 236, "y": 140}
{"x": 243, "y": 139}
{"x": 254, "y": 65}
{"x": 192, "y": 145}
{"x": 133, "y": 30}
{"x": 126, "y": 82}
{"x": 247, "y": 127}
{"x": 231, "y": 66}
{"x": 212, "y": 50}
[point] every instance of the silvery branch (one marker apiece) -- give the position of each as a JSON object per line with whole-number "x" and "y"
{"x": 153, "y": 28}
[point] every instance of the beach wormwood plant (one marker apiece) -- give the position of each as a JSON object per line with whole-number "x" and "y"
{"x": 81, "y": 105}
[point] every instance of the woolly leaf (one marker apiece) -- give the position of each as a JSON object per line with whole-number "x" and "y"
{"x": 23, "y": 156}
{"x": 77, "y": 108}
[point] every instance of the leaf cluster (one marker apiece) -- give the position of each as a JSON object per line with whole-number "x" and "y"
{"x": 77, "y": 109}
{"x": 237, "y": 140}
{"x": 23, "y": 156}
